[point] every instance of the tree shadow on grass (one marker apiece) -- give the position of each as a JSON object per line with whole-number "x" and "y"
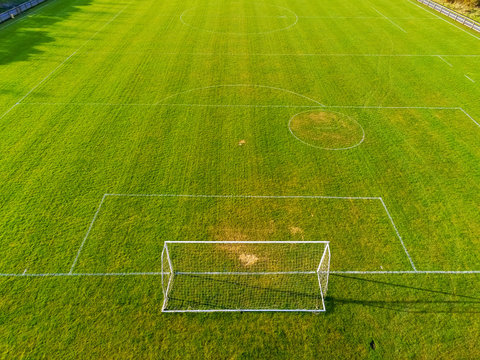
{"x": 413, "y": 299}
{"x": 21, "y": 41}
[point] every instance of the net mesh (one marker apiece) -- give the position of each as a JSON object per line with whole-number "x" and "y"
{"x": 324, "y": 270}
{"x": 167, "y": 275}
{"x": 241, "y": 276}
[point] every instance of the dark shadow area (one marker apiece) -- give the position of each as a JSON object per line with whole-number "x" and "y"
{"x": 8, "y": 4}
{"x": 19, "y": 42}
{"x": 428, "y": 300}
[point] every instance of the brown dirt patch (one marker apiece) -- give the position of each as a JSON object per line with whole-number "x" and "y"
{"x": 294, "y": 230}
{"x": 326, "y": 129}
{"x": 248, "y": 259}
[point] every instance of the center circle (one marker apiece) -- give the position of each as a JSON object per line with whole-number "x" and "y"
{"x": 326, "y": 130}
{"x": 238, "y": 18}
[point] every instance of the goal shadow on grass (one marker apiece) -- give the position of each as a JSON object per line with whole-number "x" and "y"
{"x": 232, "y": 293}
{"x": 404, "y": 297}
{"x": 394, "y": 297}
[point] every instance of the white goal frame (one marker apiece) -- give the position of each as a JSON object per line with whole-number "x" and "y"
{"x": 169, "y": 273}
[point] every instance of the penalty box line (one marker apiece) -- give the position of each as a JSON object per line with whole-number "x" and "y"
{"x": 399, "y": 237}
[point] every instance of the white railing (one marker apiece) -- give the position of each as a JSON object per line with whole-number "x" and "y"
{"x": 462, "y": 19}
{"x": 17, "y": 10}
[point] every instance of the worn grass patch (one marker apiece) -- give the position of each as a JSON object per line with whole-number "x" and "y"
{"x": 327, "y": 130}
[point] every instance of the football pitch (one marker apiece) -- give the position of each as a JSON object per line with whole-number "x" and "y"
{"x": 125, "y": 124}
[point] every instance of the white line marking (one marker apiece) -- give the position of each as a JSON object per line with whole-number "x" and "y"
{"x": 392, "y": 107}
{"x": 243, "y": 310}
{"x": 469, "y": 78}
{"x": 416, "y": 272}
{"x": 240, "y": 85}
{"x": 86, "y": 235}
{"x": 353, "y": 272}
{"x": 433, "y": 12}
{"x": 203, "y": 16}
{"x": 245, "y": 273}
{"x": 175, "y": 104}
{"x": 276, "y": 54}
{"x": 87, "y": 104}
{"x": 241, "y": 33}
{"x": 246, "y": 105}
{"x": 391, "y": 21}
{"x": 471, "y": 118}
{"x": 445, "y": 61}
{"x": 62, "y": 63}
{"x": 6, "y": 112}
{"x": 24, "y": 272}
{"x": 252, "y": 196}
{"x": 300, "y": 17}
{"x": 365, "y": 17}
{"x": 398, "y": 234}
{"x": 241, "y": 105}
{"x": 270, "y": 242}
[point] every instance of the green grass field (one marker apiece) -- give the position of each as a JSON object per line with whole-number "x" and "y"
{"x": 357, "y": 121}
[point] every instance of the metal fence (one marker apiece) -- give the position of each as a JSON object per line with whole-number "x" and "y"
{"x": 17, "y": 10}
{"x": 462, "y": 19}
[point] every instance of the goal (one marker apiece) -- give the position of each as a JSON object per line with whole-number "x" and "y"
{"x": 209, "y": 276}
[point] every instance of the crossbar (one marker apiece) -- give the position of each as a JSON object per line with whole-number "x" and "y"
{"x": 246, "y": 242}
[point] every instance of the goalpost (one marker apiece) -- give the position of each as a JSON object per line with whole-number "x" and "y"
{"x": 210, "y": 276}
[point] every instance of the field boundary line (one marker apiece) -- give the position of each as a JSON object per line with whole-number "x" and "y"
{"x": 240, "y": 85}
{"x": 416, "y": 272}
{"x": 433, "y": 12}
{"x": 280, "y": 54}
{"x": 241, "y": 33}
{"x": 398, "y": 234}
{"x": 176, "y": 104}
{"x": 373, "y": 107}
{"x": 63, "y": 62}
{"x": 392, "y": 107}
{"x": 247, "y": 105}
{"x": 250, "y": 196}
{"x": 304, "y": 17}
{"x": 391, "y": 21}
{"x": 86, "y": 235}
{"x": 366, "y": 17}
{"x": 469, "y": 78}
{"x": 445, "y": 61}
{"x": 470, "y": 117}
{"x": 244, "y": 273}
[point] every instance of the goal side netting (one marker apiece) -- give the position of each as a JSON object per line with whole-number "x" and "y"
{"x": 207, "y": 276}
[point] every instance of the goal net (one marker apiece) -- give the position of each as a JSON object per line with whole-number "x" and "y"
{"x": 207, "y": 276}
